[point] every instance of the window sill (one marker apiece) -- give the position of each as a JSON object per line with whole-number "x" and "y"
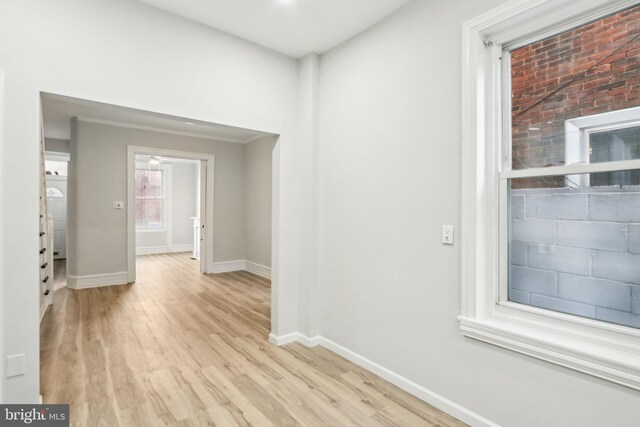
{"x": 617, "y": 361}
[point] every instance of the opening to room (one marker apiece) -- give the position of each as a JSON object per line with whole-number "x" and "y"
{"x": 167, "y": 193}
{"x": 137, "y": 202}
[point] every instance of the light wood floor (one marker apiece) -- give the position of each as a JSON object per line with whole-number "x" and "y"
{"x": 183, "y": 349}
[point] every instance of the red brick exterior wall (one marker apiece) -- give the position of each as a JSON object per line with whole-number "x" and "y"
{"x": 589, "y": 70}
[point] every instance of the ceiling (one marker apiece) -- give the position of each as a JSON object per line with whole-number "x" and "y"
{"x": 291, "y": 27}
{"x": 59, "y": 110}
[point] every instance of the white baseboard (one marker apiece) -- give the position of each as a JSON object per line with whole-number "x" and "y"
{"x": 229, "y": 266}
{"x": 463, "y": 414}
{"x": 97, "y": 280}
{"x": 294, "y": 337}
{"x": 260, "y": 270}
{"x": 152, "y": 250}
{"x": 181, "y": 248}
{"x": 242, "y": 265}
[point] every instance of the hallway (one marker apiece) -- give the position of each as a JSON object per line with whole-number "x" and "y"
{"x": 181, "y": 348}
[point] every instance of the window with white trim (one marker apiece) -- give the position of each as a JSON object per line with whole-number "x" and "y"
{"x": 150, "y": 199}
{"x": 551, "y": 176}
{"x": 605, "y": 137}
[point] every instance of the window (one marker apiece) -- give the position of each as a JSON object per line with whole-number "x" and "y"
{"x": 551, "y": 184}
{"x": 150, "y": 199}
{"x": 573, "y": 238}
{"x": 605, "y": 137}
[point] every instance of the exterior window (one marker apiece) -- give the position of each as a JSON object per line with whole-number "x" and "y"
{"x": 574, "y": 239}
{"x": 611, "y": 145}
{"x": 150, "y": 199}
{"x": 551, "y": 184}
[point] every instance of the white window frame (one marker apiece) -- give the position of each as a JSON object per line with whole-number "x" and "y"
{"x": 605, "y": 350}
{"x": 166, "y": 185}
{"x": 578, "y": 130}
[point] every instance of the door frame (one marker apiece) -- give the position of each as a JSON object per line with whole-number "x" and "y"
{"x": 2, "y": 115}
{"x": 206, "y": 244}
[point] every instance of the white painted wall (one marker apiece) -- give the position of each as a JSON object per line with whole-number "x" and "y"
{"x": 257, "y": 196}
{"x": 57, "y": 145}
{"x": 309, "y": 298}
{"x": 182, "y": 204}
{"x": 2, "y": 353}
{"x": 98, "y": 178}
{"x": 390, "y": 178}
{"x": 126, "y": 53}
{"x": 389, "y": 168}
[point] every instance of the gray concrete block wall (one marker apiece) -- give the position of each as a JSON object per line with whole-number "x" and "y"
{"x": 577, "y": 251}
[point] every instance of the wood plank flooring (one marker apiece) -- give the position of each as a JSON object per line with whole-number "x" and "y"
{"x": 178, "y": 348}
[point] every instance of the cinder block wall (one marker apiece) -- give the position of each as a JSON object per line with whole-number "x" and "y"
{"x": 577, "y": 251}
{"x": 589, "y": 70}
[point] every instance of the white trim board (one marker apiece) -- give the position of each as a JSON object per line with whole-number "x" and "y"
{"x": 97, "y": 280}
{"x": 151, "y": 250}
{"x": 242, "y": 265}
{"x": 228, "y": 266}
{"x": 440, "y": 402}
{"x": 260, "y": 270}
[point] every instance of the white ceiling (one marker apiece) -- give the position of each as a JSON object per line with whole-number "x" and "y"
{"x": 59, "y": 110}
{"x": 292, "y": 27}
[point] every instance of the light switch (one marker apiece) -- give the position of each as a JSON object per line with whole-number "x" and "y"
{"x": 15, "y": 365}
{"x": 118, "y": 205}
{"x": 447, "y": 234}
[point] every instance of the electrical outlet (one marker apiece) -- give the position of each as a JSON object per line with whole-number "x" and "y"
{"x": 447, "y": 234}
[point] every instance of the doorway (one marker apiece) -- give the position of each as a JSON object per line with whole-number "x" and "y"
{"x": 169, "y": 212}
{"x": 56, "y": 173}
{"x": 147, "y": 163}
{"x": 56, "y": 167}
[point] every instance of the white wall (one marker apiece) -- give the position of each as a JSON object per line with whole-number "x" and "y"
{"x": 183, "y": 204}
{"x": 98, "y": 177}
{"x": 390, "y": 178}
{"x": 126, "y": 53}
{"x": 57, "y": 145}
{"x": 257, "y": 196}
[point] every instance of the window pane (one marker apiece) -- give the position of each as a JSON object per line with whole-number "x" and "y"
{"x": 576, "y": 249}
{"x": 149, "y": 183}
{"x": 587, "y": 71}
{"x": 149, "y": 213}
{"x": 612, "y": 145}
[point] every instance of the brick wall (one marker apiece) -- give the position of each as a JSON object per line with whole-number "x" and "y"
{"x": 577, "y": 251}
{"x": 589, "y": 70}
